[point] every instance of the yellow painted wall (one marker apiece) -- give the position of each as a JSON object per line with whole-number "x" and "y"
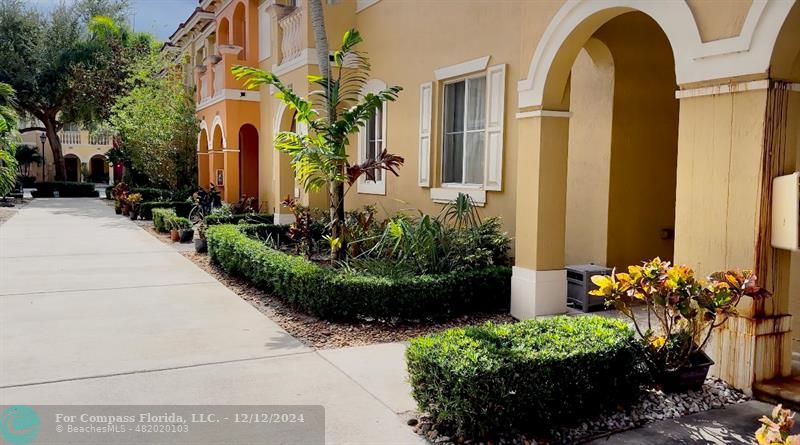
{"x": 719, "y": 152}
{"x": 589, "y": 161}
{"x": 719, "y": 19}
{"x": 643, "y": 142}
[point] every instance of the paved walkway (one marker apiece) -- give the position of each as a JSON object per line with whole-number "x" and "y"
{"x": 97, "y": 311}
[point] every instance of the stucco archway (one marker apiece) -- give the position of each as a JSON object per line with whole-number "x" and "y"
{"x": 203, "y": 161}
{"x": 643, "y": 131}
{"x": 248, "y": 161}
{"x": 73, "y": 167}
{"x": 98, "y": 169}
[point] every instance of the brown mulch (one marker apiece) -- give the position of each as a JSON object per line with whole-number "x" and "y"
{"x": 322, "y": 334}
{"x": 313, "y": 331}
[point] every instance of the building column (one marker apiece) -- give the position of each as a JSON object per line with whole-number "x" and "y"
{"x": 231, "y": 167}
{"x": 538, "y": 282}
{"x": 203, "y": 177}
{"x": 722, "y": 214}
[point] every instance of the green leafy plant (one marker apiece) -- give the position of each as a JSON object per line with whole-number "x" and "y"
{"x": 480, "y": 381}
{"x": 162, "y": 218}
{"x": 683, "y": 310}
{"x": 9, "y": 137}
{"x": 331, "y": 114}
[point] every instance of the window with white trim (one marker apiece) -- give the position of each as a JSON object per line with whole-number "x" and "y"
{"x": 464, "y": 136}
{"x": 372, "y": 142}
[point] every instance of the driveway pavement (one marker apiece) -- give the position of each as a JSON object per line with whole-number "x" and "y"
{"x": 94, "y": 310}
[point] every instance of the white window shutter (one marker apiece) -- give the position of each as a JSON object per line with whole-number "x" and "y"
{"x": 425, "y": 98}
{"x": 496, "y": 88}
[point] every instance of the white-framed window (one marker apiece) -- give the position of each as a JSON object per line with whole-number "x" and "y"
{"x": 464, "y": 131}
{"x": 372, "y": 142}
{"x": 264, "y": 32}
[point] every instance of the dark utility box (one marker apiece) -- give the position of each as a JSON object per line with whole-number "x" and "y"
{"x": 579, "y": 283}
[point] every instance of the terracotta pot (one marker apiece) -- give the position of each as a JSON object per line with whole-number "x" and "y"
{"x": 689, "y": 377}
{"x": 174, "y": 235}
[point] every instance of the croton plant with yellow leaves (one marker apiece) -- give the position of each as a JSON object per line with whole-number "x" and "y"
{"x": 682, "y": 310}
{"x": 777, "y": 429}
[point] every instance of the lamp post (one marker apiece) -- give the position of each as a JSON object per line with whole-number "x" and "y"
{"x": 43, "y": 138}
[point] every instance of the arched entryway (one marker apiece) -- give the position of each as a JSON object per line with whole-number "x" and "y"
{"x": 98, "y": 169}
{"x": 622, "y": 145}
{"x": 248, "y": 161}
{"x": 73, "y": 167}
{"x": 621, "y": 154}
{"x": 203, "y": 176}
{"x": 239, "y": 28}
{"x": 223, "y": 31}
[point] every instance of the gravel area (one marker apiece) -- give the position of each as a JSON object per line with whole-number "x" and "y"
{"x": 6, "y": 212}
{"x": 654, "y": 405}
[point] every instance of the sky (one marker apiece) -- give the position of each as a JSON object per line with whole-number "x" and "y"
{"x": 158, "y": 17}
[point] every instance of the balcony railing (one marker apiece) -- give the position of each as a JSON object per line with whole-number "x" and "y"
{"x": 99, "y": 139}
{"x": 292, "y": 30}
{"x": 71, "y": 137}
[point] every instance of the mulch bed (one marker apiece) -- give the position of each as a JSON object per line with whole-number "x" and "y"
{"x": 322, "y": 334}
{"x": 315, "y": 332}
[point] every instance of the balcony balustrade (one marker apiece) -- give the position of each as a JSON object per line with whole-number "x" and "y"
{"x": 292, "y": 29}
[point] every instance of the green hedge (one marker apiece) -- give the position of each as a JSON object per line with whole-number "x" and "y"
{"x": 65, "y": 190}
{"x": 335, "y": 294}
{"x": 182, "y": 208}
{"x": 276, "y": 232}
{"x": 153, "y": 194}
{"x": 249, "y": 218}
{"x": 161, "y": 219}
{"x": 531, "y": 376}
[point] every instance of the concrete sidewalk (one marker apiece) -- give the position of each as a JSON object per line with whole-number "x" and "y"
{"x": 97, "y": 311}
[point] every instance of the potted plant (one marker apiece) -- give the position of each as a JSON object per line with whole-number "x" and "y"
{"x": 200, "y": 243}
{"x": 682, "y": 313}
{"x": 117, "y": 207}
{"x": 185, "y": 231}
{"x": 174, "y": 227}
{"x": 133, "y": 205}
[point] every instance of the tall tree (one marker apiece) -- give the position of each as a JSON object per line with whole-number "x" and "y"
{"x": 67, "y": 66}
{"x": 333, "y": 113}
{"x": 156, "y": 124}
{"x": 8, "y": 140}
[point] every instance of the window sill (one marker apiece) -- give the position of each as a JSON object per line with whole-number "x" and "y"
{"x": 372, "y": 188}
{"x": 443, "y": 195}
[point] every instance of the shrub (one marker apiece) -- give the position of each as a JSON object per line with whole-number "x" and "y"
{"x": 181, "y": 208}
{"x": 153, "y": 194}
{"x": 179, "y": 223}
{"x": 330, "y": 293}
{"x": 161, "y": 218}
{"x": 65, "y": 190}
{"x": 249, "y": 218}
{"x": 531, "y": 376}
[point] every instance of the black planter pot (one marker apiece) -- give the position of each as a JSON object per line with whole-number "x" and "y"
{"x": 689, "y": 377}
{"x": 134, "y": 215}
{"x": 200, "y": 245}
{"x": 186, "y": 235}
{"x": 118, "y": 210}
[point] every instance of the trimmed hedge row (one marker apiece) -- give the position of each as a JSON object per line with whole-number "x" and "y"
{"x": 182, "y": 208}
{"x": 153, "y": 194}
{"x": 161, "y": 219}
{"x": 65, "y": 190}
{"x": 334, "y": 294}
{"x": 531, "y": 376}
{"x": 249, "y": 218}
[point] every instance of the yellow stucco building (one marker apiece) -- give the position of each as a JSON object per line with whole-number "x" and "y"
{"x": 605, "y": 131}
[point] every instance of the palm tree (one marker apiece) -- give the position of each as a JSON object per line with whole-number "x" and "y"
{"x": 332, "y": 113}
{"x": 8, "y": 140}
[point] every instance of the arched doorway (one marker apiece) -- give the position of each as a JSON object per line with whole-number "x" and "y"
{"x": 622, "y": 145}
{"x": 239, "y": 28}
{"x": 203, "y": 176}
{"x": 98, "y": 169}
{"x": 248, "y": 161}
{"x": 621, "y": 64}
{"x": 223, "y": 31}
{"x": 73, "y": 167}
